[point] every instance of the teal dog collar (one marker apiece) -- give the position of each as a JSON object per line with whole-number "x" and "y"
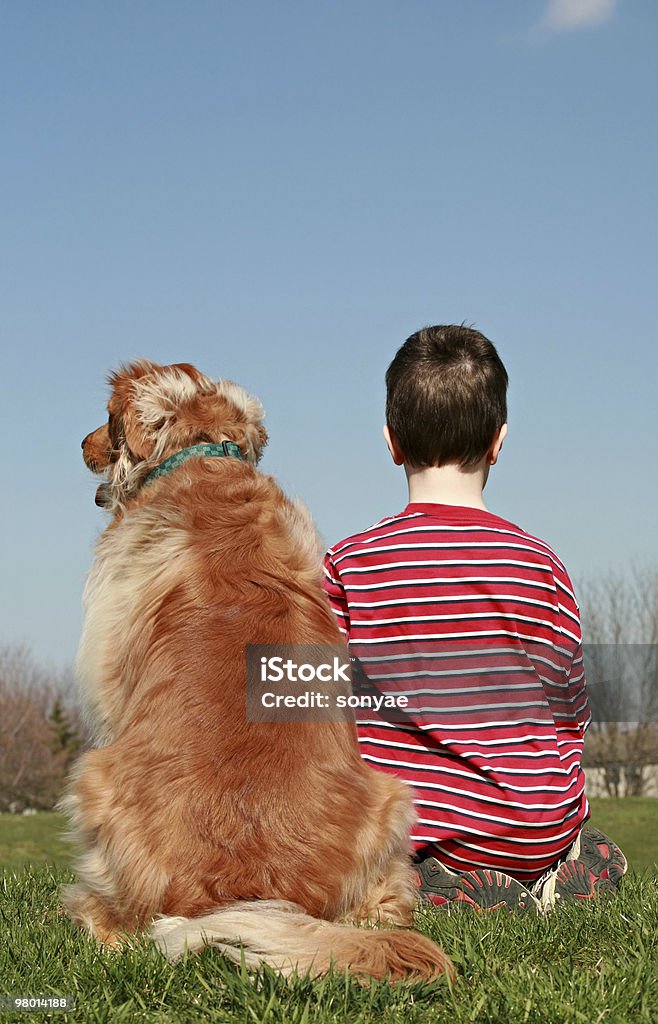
{"x": 202, "y": 451}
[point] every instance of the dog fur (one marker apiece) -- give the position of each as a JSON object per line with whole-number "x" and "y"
{"x": 192, "y": 821}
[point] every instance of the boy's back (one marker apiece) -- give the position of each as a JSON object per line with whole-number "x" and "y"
{"x": 475, "y": 621}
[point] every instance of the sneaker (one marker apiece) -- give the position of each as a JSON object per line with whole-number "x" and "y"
{"x": 482, "y": 889}
{"x": 596, "y": 869}
{"x": 571, "y": 881}
{"x": 603, "y": 858}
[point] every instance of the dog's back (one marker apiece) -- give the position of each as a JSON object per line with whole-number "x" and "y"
{"x": 187, "y": 808}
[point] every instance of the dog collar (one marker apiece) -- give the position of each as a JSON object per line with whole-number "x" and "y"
{"x": 226, "y": 448}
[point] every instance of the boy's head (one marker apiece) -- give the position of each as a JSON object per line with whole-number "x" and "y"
{"x": 446, "y": 397}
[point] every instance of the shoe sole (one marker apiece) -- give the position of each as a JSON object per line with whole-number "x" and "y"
{"x": 482, "y": 889}
{"x": 573, "y": 881}
{"x": 603, "y": 858}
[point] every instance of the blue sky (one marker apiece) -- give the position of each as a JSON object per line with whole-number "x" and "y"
{"x": 281, "y": 194}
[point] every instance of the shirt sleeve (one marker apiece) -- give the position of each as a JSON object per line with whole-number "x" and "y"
{"x": 335, "y": 592}
{"x": 576, "y": 688}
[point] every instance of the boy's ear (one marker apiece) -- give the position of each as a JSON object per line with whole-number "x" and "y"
{"x": 496, "y": 445}
{"x": 393, "y": 446}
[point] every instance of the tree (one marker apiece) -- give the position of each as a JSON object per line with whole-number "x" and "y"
{"x": 620, "y": 630}
{"x": 66, "y": 740}
{"x": 36, "y": 749}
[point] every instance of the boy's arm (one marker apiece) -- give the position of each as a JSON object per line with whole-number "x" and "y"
{"x": 577, "y": 699}
{"x": 577, "y": 689}
{"x": 336, "y": 593}
{"x": 334, "y": 590}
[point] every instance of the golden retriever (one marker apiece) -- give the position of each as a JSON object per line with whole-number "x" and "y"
{"x": 193, "y": 821}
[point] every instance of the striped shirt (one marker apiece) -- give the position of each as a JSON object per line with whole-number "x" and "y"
{"x": 475, "y": 622}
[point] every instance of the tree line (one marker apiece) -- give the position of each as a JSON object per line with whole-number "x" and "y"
{"x": 41, "y": 731}
{"x": 620, "y": 632}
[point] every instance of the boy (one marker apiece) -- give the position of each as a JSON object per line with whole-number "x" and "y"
{"x": 475, "y": 622}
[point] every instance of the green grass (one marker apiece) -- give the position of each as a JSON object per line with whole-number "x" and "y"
{"x": 591, "y": 963}
{"x": 587, "y": 963}
{"x": 632, "y": 823}
{"x": 34, "y": 839}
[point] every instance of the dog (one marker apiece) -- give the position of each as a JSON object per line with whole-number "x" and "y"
{"x": 272, "y": 841}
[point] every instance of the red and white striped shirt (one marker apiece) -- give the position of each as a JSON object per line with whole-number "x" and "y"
{"x": 476, "y": 623}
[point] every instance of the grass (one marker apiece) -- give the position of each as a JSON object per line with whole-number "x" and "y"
{"x": 34, "y": 839}
{"x": 591, "y": 963}
{"x": 594, "y": 962}
{"x": 632, "y": 823}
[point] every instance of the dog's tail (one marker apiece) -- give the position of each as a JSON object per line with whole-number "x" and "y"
{"x": 280, "y": 934}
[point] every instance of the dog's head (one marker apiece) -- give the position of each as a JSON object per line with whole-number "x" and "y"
{"x": 154, "y": 412}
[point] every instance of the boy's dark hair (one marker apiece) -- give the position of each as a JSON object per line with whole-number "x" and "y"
{"x": 446, "y": 396}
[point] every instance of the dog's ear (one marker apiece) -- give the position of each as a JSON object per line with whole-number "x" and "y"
{"x": 138, "y": 437}
{"x": 126, "y": 425}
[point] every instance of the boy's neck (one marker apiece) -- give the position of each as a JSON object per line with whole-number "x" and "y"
{"x": 448, "y": 485}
